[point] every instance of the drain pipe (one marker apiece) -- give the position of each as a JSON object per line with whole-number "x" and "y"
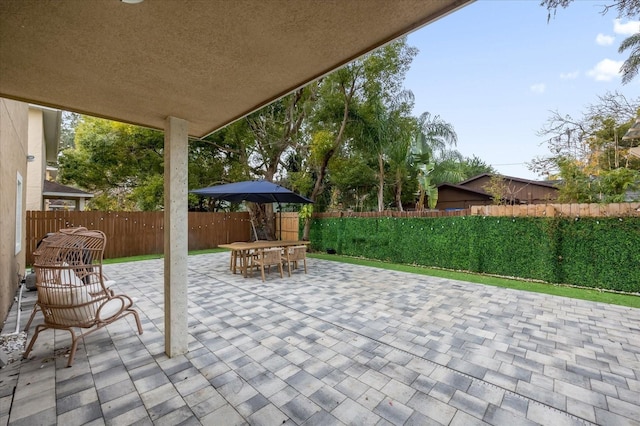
{"x": 22, "y": 284}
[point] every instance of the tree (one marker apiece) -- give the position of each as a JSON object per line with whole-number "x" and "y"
{"x": 379, "y": 74}
{"x": 68, "y": 124}
{"x": 474, "y": 166}
{"x": 496, "y": 187}
{"x": 431, "y": 144}
{"x": 626, "y": 8}
{"x": 275, "y": 130}
{"x": 610, "y": 187}
{"x": 631, "y": 65}
{"x": 593, "y": 140}
{"x": 589, "y": 155}
{"x": 118, "y": 162}
{"x": 386, "y": 130}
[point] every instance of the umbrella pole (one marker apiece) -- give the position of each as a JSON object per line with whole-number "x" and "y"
{"x": 280, "y": 218}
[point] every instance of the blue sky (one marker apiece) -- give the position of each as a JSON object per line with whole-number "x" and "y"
{"x": 495, "y": 69}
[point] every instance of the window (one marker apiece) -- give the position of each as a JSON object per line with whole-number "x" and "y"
{"x": 19, "y": 214}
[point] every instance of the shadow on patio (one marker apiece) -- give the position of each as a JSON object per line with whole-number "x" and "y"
{"x": 343, "y": 344}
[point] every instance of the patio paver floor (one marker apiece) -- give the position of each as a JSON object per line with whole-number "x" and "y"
{"x": 343, "y": 344}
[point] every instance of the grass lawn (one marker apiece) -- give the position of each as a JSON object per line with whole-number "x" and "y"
{"x": 156, "y": 256}
{"x": 629, "y": 300}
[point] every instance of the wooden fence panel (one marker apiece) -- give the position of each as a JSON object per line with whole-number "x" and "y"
{"x": 138, "y": 233}
{"x": 287, "y": 226}
{"x": 566, "y": 210}
{"x": 525, "y": 210}
{"x": 393, "y": 213}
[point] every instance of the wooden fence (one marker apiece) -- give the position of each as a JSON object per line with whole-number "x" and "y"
{"x": 559, "y": 210}
{"x": 289, "y": 223}
{"x": 137, "y": 233}
{"x": 393, "y": 213}
{"x": 531, "y": 210}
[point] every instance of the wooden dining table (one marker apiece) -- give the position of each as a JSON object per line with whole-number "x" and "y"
{"x": 241, "y": 251}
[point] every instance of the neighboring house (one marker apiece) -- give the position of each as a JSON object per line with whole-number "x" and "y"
{"x": 41, "y": 192}
{"x": 473, "y": 191}
{"x": 61, "y": 197}
{"x": 44, "y": 134}
{"x": 13, "y": 176}
{"x": 459, "y": 197}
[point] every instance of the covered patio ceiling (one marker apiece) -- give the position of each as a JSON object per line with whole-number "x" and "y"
{"x": 208, "y": 62}
{"x": 188, "y": 68}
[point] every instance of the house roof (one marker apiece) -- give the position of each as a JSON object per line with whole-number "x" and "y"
{"x": 464, "y": 189}
{"x": 56, "y": 190}
{"x": 548, "y": 184}
{"x": 207, "y": 62}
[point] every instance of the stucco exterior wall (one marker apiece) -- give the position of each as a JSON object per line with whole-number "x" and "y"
{"x": 36, "y": 168}
{"x": 13, "y": 162}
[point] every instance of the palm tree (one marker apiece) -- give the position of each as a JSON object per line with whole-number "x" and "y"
{"x": 431, "y": 149}
{"x": 386, "y": 130}
{"x": 630, "y": 67}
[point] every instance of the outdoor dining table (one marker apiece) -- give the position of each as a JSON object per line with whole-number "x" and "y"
{"x": 241, "y": 250}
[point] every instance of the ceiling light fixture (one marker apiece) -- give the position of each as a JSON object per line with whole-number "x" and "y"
{"x": 132, "y": 1}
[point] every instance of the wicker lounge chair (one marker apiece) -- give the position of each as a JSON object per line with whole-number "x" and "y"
{"x": 72, "y": 292}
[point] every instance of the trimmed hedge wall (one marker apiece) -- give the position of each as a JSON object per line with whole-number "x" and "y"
{"x": 592, "y": 252}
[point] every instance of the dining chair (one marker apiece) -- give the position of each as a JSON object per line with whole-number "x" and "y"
{"x": 294, "y": 254}
{"x": 267, "y": 257}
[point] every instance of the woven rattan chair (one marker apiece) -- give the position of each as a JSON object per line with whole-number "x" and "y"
{"x": 267, "y": 257}
{"x": 292, "y": 255}
{"x": 72, "y": 294}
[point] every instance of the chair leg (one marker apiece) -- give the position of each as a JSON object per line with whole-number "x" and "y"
{"x": 137, "y": 317}
{"x": 39, "y": 328}
{"x": 35, "y": 309}
{"x": 305, "y": 264}
{"x": 281, "y": 274}
{"x": 262, "y": 270}
{"x": 74, "y": 346}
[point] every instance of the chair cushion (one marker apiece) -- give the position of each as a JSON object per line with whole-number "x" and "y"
{"x": 111, "y": 308}
{"x": 72, "y": 300}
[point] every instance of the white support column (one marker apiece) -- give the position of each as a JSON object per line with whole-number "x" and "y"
{"x": 176, "y": 233}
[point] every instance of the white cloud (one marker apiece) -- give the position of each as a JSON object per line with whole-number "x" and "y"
{"x": 604, "y": 40}
{"x": 605, "y": 70}
{"x": 569, "y": 75}
{"x": 538, "y": 88}
{"x": 627, "y": 29}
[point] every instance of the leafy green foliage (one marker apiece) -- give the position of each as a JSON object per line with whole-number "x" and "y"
{"x": 600, "y": 253}
{"x": 116, "y": 161}
{"x": 610, "y": 187}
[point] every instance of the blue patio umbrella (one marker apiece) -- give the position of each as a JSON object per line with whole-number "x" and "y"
{"x": 257, "y": 191}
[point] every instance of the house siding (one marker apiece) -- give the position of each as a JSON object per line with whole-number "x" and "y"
{"x": 13, "y": 145}
{"x": 524, "y": 192}
{"x": 36, "y": 169}
{"x": 451, "y": 198}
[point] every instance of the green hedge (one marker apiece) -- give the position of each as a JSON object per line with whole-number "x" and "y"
{"x": 594, "y": 252}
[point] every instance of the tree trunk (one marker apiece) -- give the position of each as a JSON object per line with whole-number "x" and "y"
{"x": 380, "y": 183}
{"x": 399, "y": 191}
{"x": 325, "y": 161}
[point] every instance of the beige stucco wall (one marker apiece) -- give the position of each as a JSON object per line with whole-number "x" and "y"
{"x": 13, "y": 145}
{"x": 36, "y": 168}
